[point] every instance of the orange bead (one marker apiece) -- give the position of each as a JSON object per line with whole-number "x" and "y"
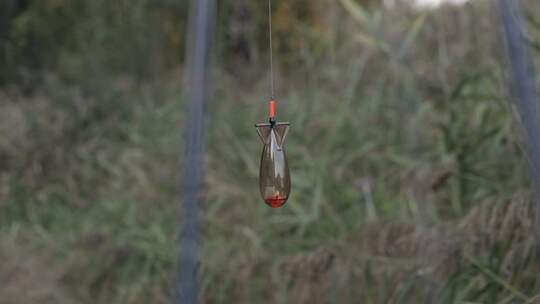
{"x": 272, "y": 109}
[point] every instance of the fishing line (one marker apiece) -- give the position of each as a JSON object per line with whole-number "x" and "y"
{"x": 272, "y": 88}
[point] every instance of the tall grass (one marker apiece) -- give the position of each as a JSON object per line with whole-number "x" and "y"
{"x": 409, "y": 181}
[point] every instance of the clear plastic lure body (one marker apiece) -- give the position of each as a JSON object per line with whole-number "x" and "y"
{"x": 274, "y": 175}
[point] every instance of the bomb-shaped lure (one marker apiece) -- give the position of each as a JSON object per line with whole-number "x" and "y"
{"x": 274, "y": 176}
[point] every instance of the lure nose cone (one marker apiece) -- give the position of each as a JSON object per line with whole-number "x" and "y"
{"x": 274, "y": 176}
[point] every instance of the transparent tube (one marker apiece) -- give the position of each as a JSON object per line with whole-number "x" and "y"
{"x": 274, "y": 176}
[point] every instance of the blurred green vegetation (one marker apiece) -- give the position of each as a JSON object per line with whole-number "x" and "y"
{"x": 409, "y": 178}
{"x": 80, "y": 40}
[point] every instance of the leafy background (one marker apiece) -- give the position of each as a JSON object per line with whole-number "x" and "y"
{"x": 409, "y": 174}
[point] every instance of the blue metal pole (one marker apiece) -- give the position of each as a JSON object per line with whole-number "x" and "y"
{"x": 523, "y": 85}
{"x": 198, "y": 44}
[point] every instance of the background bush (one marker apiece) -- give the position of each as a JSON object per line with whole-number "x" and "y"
{"x": 409, "y": 178}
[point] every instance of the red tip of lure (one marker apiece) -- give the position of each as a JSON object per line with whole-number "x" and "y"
{"x": 272, "y": 109}
{"x": 276, "y": 201}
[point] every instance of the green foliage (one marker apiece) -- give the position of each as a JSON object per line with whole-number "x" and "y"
{"x": 87, "y": 40}
{"x": 409, "y": 183}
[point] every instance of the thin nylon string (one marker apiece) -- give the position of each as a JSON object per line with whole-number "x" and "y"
{"x": 272, "y": 91}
